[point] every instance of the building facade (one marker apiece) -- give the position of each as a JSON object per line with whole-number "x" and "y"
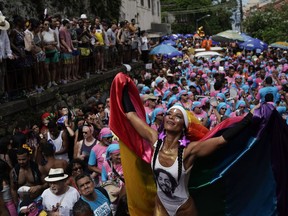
{"x": 145, "y": 12}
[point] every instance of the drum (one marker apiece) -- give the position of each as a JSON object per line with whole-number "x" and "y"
{"x": 23, "y": 192}
{"x": 111, "y": 187}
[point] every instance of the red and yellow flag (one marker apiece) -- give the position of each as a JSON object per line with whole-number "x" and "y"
{"x": 135, "y": 152}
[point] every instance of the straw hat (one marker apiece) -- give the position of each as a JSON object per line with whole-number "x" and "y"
{"x": 4, "y": 25}
{"x": 56, "y": 175}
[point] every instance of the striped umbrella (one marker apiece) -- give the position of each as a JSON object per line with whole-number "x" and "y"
{"x": 228, "y": 36}
{"x": 280, "y": 44}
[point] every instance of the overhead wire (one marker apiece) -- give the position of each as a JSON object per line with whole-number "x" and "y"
{"x": 228, "y": 5}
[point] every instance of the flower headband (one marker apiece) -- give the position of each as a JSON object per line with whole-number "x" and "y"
{"x": 25, "y": 146}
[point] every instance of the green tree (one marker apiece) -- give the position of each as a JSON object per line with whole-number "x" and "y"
{"x": 269, "y": 25}
{"x": 106, "y": 8}
{"x": 187, "y": 12}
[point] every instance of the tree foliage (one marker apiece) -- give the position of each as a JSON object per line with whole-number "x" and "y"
{"x": 269, "y": 25}
{"x": 67, "y": 8}
{"x": 187, "y": 12}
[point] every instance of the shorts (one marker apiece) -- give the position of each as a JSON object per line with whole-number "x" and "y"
{"x": 113, "y": 53}
{"x": 52, "y": 56}
{"x": 75, "y": 52}
{"x": 134, "y": 45}
{"x": 67, "y": 58}
{"x": 127, "y": 47}
{"x": 106, "y": 54}
{"x": 40, "y": 56}
{"x": 120, "y": 48}
{"x": 99, "y": 49}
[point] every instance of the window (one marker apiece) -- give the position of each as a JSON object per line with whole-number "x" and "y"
{"x": 158, "y": 8}
{"x": 149, "y": 5}
{"x": 142, "y": 2}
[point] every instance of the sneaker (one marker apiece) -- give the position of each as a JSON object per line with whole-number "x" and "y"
{"x": 54, "y": 83}
{"x": 64, "y": 82}
{"x": 49, "y": 85}
{"x": 134, "y": 60}
{"x": 41, "y": 88}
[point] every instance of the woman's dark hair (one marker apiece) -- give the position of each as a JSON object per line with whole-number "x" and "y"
{"x": 4, "y": 142}
{"x": 4, "y": 174}
{"x": 48, "y": 149}
{"x": 34, "y": 23}
{"x": 180, "y": 153}
{"x": 17, "y": 19}
{"x": 69, "y": 168}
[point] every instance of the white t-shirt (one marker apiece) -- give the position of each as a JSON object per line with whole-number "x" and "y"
{"x": 66, "y": 200}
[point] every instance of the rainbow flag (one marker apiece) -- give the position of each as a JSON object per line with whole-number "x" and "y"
{"x": 248, "y": 176}
{"x": 135, "y": 152}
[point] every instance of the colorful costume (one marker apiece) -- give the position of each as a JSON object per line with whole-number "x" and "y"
{"x": 248, "y": 176}
{"x": 171, "y": 192}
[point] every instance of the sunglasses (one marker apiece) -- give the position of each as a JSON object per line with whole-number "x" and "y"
{"x": 223, "y": 108}
{"x": 84, "y": 132}
{"x": 77, "y": 168}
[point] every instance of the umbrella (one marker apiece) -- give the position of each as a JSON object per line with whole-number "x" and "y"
{"x": 173, "y": 37}
{"x": 169, "y": 42}
{"x": 246, "y": 37}
{"x": 165, "y": 37}
{"x": 280, "y": 44}
{"x": 173, "y": 54}
{"x": 188, "y": 35}
{"x": 228, "y": 36}
{"x": 253, "y": 44}
{"x": 163, "y": 49}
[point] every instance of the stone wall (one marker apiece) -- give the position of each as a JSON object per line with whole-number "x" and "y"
{"x": 31, "y": 8}
{"x": 75, "y": 94}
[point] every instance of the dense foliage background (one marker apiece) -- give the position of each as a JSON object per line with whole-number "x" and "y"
{"x": 269, "y": 25}
{"x": 67, "y": 8}
{"x": 186, "y": 13}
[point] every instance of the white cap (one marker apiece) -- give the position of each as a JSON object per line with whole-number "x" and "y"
{"x": 83, "y": 16}
{"x": 128, "y": 67}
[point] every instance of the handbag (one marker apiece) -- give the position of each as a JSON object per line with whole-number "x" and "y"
{"x": 84, "y": 51}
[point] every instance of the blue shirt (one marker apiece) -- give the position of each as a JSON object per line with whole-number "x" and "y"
{"x": 100, "y": 206}
{"x": 268, "y": 89}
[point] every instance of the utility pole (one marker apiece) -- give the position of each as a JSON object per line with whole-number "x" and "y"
{"x": 241, "y": 15}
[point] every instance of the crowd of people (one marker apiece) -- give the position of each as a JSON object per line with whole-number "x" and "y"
{"x": 69, "y": 161}
{"x": 38, "y": 54}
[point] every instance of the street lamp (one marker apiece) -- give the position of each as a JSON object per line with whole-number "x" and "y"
{"x": 197, "y": 20}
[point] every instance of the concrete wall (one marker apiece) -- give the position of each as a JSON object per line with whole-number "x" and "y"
{"x": 28, "y": 111}
{"x": 143, "y": 14}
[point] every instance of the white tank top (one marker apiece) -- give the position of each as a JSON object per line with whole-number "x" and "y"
{"x": 173, "y": 194}
{"x": 58, "y": 143}
{"x": 48, "y": 36}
